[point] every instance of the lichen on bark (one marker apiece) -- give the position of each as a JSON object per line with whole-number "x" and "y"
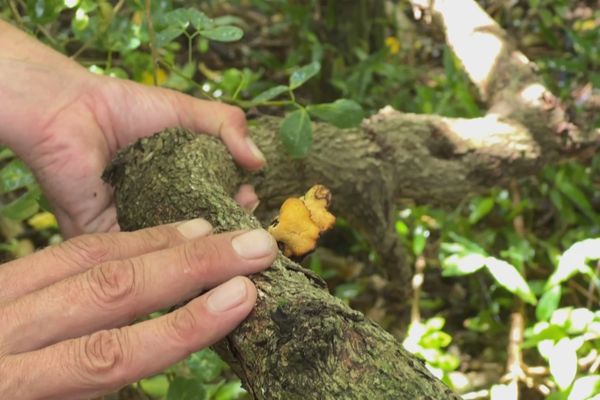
{"x": 299, "y": 342}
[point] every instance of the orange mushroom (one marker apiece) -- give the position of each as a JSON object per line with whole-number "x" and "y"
{"x": 302, "y": 220}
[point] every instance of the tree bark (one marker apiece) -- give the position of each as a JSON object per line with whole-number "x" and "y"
{"x": 300, "y": 342}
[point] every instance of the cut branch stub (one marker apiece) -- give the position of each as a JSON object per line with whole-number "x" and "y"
{"x": 300, "y": 342}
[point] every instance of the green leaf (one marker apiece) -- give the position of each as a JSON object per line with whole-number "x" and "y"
{"x": 481, "y": 208}
{"x": 166, "y": 36}
{"x": 577, "y": 197}
{"x": 206, "y": 365}
{"x": 509, "y": 278}
{"x": 302, "y": 74}
{"x": 401, "y": 228}
{"x": 436, "y": 340}
{"x": 348, "y": 291}
{"x": 156, "y": 386}
{"x": 199, "y": 20}
{"x": 230, "y": 391}
{"x": 296, "y": 133}
{"x": 223, "y": 33}
{"x": 342, "y": 113}
{"x": 6, "y": 153}
{"x": 15, "y": 175}
{"x": 420, "y": 235}
{"x": 270, "y": 94}
{"x": 178, "y": 18}
{"x": 44, "y": 11}
{"x": 549, "y": 332}
{"x": 563, "y": 362}
{"x": 585, "y": 387}
{"x": 23, "y": 207}
{"x": 575, "y": 260}
{"x": 548, "y": 303}
{"x": 186, "y": 389}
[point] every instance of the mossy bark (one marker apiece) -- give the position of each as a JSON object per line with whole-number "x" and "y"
{"x": 300, "y": 342}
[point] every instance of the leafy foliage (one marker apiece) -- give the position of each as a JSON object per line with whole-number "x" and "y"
{"x": 479, "y": 268}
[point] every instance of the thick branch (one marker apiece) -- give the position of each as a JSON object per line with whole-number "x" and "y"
{"x": 506, "y": 80}
{"x": 300, "y": 342}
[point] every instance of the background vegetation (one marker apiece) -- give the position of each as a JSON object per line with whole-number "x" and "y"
{"x": 517, "y": 259}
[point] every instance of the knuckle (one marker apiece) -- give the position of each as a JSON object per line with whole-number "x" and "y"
{"x": 237, "y": 114}
{"x": 199, "y": 257}
{"x": 102, "y": 357}
{"x": 86, "y": 249}
{"x": 112, "y": 283}
{"x": 182, "y": 325}
{"x": 160, "y": 237}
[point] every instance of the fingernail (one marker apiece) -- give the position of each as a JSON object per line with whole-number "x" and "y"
{"x": 227, "y": 296}
{"x": 255, "y": 151}
{"x": 195, "y": 228}
{"x": 254, "y": 244}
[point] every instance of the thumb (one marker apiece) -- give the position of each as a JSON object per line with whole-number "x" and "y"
{"x": 151, "y": 109}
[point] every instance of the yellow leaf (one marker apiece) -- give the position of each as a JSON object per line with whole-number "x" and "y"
{"x": 43, "y": 220}
{"x": 148, "y": 79}
{"x": 392, "y": 44}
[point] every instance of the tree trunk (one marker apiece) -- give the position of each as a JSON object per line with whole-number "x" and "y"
{"x": 300, "y": 342}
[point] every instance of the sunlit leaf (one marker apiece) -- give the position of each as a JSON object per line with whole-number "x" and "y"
{"x": 437, "y": 339}
{"x": 508, "y": 391}
{"x": 223, "y": 33}
{"x": 509, "y": 278}
{"x": 270, "y": 94}
{"x": 575, "y": 260}
{"x": 231, "y": 390}
{"x": 585, "y": 387}
{"x": 296, "y": 133}
{"x": 458, "y": 265}
{"x": 156, "y": 386}
{"x": 579, "y": 319}
{"x": 563, "y": 363}
{"x": 342, "y": 113}
{"x": 303, "y": 74}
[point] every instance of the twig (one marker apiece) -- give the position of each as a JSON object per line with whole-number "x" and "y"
{"x": 87, "y": 44}
{"x": 16, "y": 15}
{"x": 591, "y": 287}
{"x": 417, "y": 284}
{"x": 514, "y": 361}
{"x": 152, "y": 34}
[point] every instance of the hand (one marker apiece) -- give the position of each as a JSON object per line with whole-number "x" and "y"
{"x": 60, "y": 308}
{"x": 68, "y": 123}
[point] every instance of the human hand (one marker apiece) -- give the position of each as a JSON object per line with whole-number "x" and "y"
{"x": 63, "y": 310}
{"x": 68, "y": 123}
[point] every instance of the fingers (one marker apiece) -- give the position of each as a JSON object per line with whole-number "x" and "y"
{"x": 92, "y": 365}
{"x": 247, "y": 198}
{"x": 114, "y": 293}
{"x": 151, "y": 109}
{"x": 55, "y": 263}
